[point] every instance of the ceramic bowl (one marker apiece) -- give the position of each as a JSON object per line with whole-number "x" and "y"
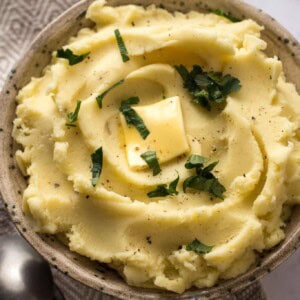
{"x": 91, "y": 273}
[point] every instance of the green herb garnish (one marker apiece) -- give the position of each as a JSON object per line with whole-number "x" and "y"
{"x": 163, "y": 190}
{"x": 195, "y": 161}
{"x": 132, "y": 118}
{"x": 207, "y": 87}
{"x": 222, "y": 13}
{"x": 73, "y": 116}
{"x": 100, "y": 97}
{"x": 121, "y": 45}
{"x": 150, "y": 158}
{"x": 198, "y": 247}
{"x": 70, "y": 56}
{"x": 97, "y": 161}
{"x": 204, "y": 180}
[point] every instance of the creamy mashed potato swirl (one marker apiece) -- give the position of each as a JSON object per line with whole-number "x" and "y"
{"x": 255, "y": 138}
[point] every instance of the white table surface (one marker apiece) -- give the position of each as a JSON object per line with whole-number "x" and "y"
{"x": 284, "y": 282}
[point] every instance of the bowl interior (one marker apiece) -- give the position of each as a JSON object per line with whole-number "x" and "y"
{"x": 93, "y": 274}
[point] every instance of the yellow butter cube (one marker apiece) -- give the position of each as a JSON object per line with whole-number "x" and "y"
{"x": 167, "y": 136}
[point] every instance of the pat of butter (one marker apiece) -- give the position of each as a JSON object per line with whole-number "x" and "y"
{"x": 167, "y": 135}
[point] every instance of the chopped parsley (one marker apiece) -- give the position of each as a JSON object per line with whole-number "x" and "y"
{"x": 204, "y": 180}
{"x": 150, "y": 158}
{"x": 121, "y": 45}
{"x": 132, "y": 118}
{"x": 70, "y": 56}
{"x": 228, "y": 16}
{"x": 207, "y": 87}
{"x": 73, "y": 116}
{"x": 195, "y": 161}
{"x": 164, "y": 190}
{"x": 101, "y": 96}
{"x": 97, "y": 162}
{"x": 198, "y": 247}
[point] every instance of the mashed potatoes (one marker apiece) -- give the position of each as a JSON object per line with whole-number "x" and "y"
{"x": 254, "y": 135}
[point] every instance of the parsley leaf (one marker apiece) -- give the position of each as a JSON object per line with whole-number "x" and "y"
{"x": 70, "y": 56}
{"x": 222, "y": 13}
{"x": 150, "y": 158}
{"x": 204, "y": 180}
{"x": 121, "y": 45}
{"x": 163, "y": 190}
{"x": 97, "y": 161}
{"x": 101, "y": 96}
{"x": 207, "y": 87}
{"x": 198, "y": 247}
{"x": 132, "y": 118}
{"x": 73, "y": 116}
{"x": 195, "y": 161}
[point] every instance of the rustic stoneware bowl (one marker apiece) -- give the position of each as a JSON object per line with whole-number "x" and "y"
{"x": 91, "y": 273}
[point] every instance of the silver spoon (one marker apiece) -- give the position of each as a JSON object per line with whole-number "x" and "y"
{"x": 24, "y": 274}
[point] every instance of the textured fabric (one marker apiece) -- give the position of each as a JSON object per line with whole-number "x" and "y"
{"x": 20, "y": 21}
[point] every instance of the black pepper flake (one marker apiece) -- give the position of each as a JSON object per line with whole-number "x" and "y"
{"x": 244, "y": 175}
{"x": 1, "y": 129}
{"x": 12, "y": 167}
{"x": 56, "y": 185}
{"x": 253, "y": 118}
{"x": 148, "y": 238}
{"x": 179, "y": 247}
{"x": 53, "y": 258}
{"x": 87, "y": 196}
{"x": 7, "y": 92}
{"x": 279, "y": 38}
{"x": 132, "y": 24}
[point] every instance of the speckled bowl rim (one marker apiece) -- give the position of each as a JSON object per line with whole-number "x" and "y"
{"x": 119, "y": 288}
